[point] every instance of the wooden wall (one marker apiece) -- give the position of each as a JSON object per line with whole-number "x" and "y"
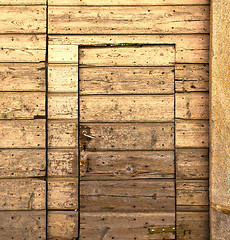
{"x": 39, "y": 103}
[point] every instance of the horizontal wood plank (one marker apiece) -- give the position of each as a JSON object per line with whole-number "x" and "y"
{"x": 63, "y": 106}
{"x": 191, "y": 48}
{"x": 193, "y": 225}
{"x": 62, "y": 134}
{"x": 129, "y": 20}
{"x": 22, "y": 48}
{"x": 126, "y": 80}
{"x": 146, "y": 55}
{"x": 23, "y": 19}
{"x": 192, "y": 105}
{"x": 22, "y": 163}
{"x": 22, "y": 105}
{"x": 191, "y": 133}
{"x": 125, "y": 226}
{"x": 126, "y": 165}
{"x": 22, "y": 2}
{"x": 192, "y": 193}
{"x": 127, "y": 108}
{"x": 22, "y": 194}
{"x": 62, "y": 193}
{"x": 62, "y": 78}
{"x": 22, "y": 133}
{"x": 191, "y": 77}
{"x": 62, "y": 163}
{"x": 192, "y": 163}
{"x": 129, "y": 2}
{"x": 22, "y": 77}
{"x": 62, "y": 225}
{"x": 23, "y": 225}
{"x": 128, "y": 196}
{"x": 128, "y": 136}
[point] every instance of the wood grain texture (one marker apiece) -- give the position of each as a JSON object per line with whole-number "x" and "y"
{"x": 63, "y": 54}
{"x": 126, "y": 80}
{"x": 192, "y": 105}
{"x": 146, "y": 55}
{"x": 129, "y": 136}
{"x": 22, "y": 134}
{"x": 23, "y": 19}
{"x": 129, "y": 2}
{"x": 192, "y": 193}
{"x": 62, "y": 225}
{"x": 62, "y": 193}
{"x": 22, "y": 77}
{"x": 192, "y": 225}
{"x": 129, "y": 20}
{"x": 127, "y": 108}
{"x": 128, "y": 196}
{"x": 191, "y": 133}
{"x": 22, "y": 163}
{"x": 192, "y": 163}
{"x": 127, "y": 165}
{"x": 62, "y": 163}
{"x": 191, "y": 48}
{"x": 23, "y": 225}
{"x": 62, "y": 78}
{"x": 62, "y": 134}
{"x": 191, "y": 77}
{"x": 124, "y": 226}
{"x": 22, "y": 2}
{"x": 63, "y": 106}
{"x": 22, "y": 105}
{"x": 22, "y": 194}
{"x": 22, "y": 48}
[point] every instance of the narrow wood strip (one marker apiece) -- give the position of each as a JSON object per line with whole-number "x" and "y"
{"x": 22, "y": 134}
{"x": 129, "y": 20}
{"x": 22, "y": 163}
{"x": 22, "y": 194}
{"x": 127, "y": 165}
{"x": 22, "y": 2}
{"x": 127, "y": 108}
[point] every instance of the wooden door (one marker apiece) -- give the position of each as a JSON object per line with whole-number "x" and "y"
{"x": 127, "y": 178}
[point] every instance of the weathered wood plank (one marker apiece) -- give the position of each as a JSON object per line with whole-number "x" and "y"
{"x": 192, "y": 225}
{"x": 158, "y": 195}
{"x": 125, "y": 226}
{"x": 63, "y": 106}
{"x": 62, "y": 134}
{"x": 22, "y": 105}
{"x": 127, "y": 108}
{"x": 22, "y": 2}
{"x": 129, "y": 20}
{"x": 23, "y": 19}
{"x": 62, "y": 193}
{"x": 192, "y": 193}
{"x": 22, "y": 194}
{"x": 146, "y": 55}
{"x": 192, "y": 163}
{"x": 129, "y": 2}
{"x": 29, "y": 225}
{"x": 192, "y": 105}
{"x": 63, "y": 54}
{"x": 191, "y": 77}
{"x": 62, "y": 78}
{"x": 22, "y": 77}
{"x": 126, "y": 80}
{"x": 22, "y": 163}
{"x": 191, "y": 133}
{"x": 62, "y": 163}
{"x": 62, "y": 225}
{"x": 128, "y": 136}
{"x": 127, "y": 165}
{"x": 191, "y": 48}
{"x": 22, "y": 134}
{"x": 22, "y": 48}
